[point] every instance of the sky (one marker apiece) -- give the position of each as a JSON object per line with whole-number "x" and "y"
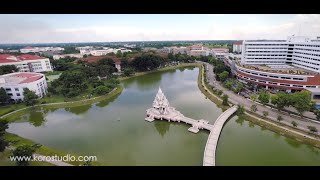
{"x": 60, "y": 28}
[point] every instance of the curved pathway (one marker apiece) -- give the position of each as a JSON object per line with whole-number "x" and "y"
{"x": 209, "y": 155}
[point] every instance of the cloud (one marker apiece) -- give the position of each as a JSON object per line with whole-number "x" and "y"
{"x": 20, "y": 29}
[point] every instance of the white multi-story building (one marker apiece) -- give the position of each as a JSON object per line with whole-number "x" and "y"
{"x": 100, "y": 52}
{"x": 237, "y": 47}
{"x": 59, "y": 56}
{"x": 14, "y": 83}
{"x": 219, "y": 53}
{"x": 1, "y": 50}
{"x": 129, "y": 45}
{"x": 26, "y": 62}
{"x": 29, "y": 49}
{"x": 85, "y": 48}
{"x": 298, "y": 51}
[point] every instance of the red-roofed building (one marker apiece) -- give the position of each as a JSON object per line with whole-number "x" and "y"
{"x": 14, "y": 83}
{"x": 237, "y": 47}
{"x": 26, "y": 62}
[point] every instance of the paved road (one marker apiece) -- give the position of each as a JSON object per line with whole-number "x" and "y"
{"x": 273, "y": 113}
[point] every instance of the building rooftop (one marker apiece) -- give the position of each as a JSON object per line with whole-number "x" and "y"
{"x": 238, "y": 43}
{"x": 8, "y": 58}
{"x": 282, "y": 69}
{"x": 19, "y": 78}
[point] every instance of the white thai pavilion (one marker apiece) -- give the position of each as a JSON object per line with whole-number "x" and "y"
{"x": 161, "y": 109}
{"x": 161, "y": 103}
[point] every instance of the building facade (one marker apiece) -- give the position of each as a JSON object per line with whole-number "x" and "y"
{"x": 59, "y": 56}
{"x": 237, "y": 47}
{"x": 26, "y": 62}
{"x": 14, "y": 83}
{"x": 289, "y": 65}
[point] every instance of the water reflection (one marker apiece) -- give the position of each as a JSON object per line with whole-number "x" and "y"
{"x": 78, "y": 109}
{"x": 162, "y": 127}
{"x": 276, "y": 135}
{"x": 293, "y": 143}
{"x": 36, "y": 118}
{"x": 240, "y": 120}
{"x": 251, "y": 124}
{"x": 314, "y": 149}
{"x": 104, "y": 103}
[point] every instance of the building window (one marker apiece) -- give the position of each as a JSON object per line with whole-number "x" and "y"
{"x": 8, "y": 89}
{"x": 16, "y": 89}
{"x": 18, "y": 94}
{"x": 9, "y": 94}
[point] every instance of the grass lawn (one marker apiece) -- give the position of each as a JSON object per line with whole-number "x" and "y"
{"x": 52, "y": 77}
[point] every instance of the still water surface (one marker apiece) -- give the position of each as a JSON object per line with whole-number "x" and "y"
{"x": 116, "y": 132}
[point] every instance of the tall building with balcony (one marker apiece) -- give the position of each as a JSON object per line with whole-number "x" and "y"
{"x": 289, "y": 65}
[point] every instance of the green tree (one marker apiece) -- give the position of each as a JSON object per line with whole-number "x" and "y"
{"x": 279, "y": 118}
{"x": 6, "y": 69}
{"x": 101, "y": 90}
{"x": 225, "y": 100}
{"x": 312, "y": 129}
{"x": 253, "y": 97}
{"x": 3, "y": 127}
{"x": 301, "y": 101}
{"x": 281, "y": 100}
{"x": 265, "y": 113}
{"x": 106, "y": 61}
{"x": 4, "y": 97}
{"x": 240, "y": 110}
{"x": 219, "y": 92}
{"x": 239, "y": 87}
{"x": 228, "y": 84}
{"x": 294, "y": 124}
{"x": 128, "y": 71}
{"x": 119, "y": 54}
{"x": 30, "y": 97}
{"x": 264, "y": 97}
{"x": 23, "y": 151}
{"x": 254, "y": 108}
{"x": 124, "y": 63}
{"x": 313, "y": 105}
{"x": 223, "y": 76}
{"x": 317, "y": 113}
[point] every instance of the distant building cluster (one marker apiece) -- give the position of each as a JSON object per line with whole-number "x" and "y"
{"x": 30, "y": 49}
{"x": 194, "y": 50}
{"x": 90, "y": 50}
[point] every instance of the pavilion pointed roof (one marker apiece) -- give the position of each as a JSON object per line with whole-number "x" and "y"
{"x": 160, "y": 100}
